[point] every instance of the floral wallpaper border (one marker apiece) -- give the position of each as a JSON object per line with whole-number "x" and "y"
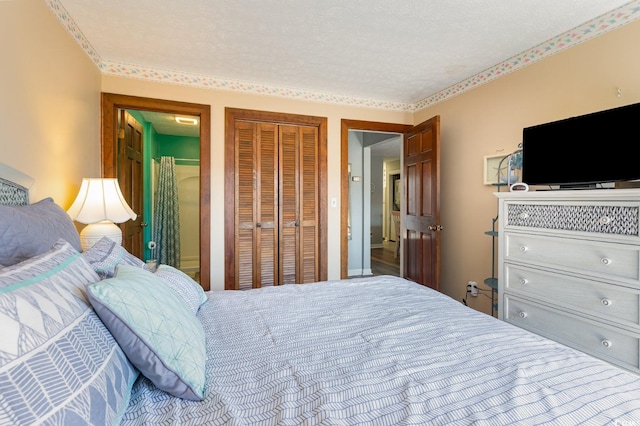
{"x": 594, "y": 28}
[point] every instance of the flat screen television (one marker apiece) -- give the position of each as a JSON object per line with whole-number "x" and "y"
{"x": 583, "y": 151}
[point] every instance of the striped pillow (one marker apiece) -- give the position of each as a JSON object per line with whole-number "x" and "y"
{"x": 105, "y": 256}
{"x": 58, "y": 362}
{"x": 189, "y": 290}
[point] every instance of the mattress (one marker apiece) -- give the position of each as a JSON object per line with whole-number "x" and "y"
{"x": 383, "y": 351}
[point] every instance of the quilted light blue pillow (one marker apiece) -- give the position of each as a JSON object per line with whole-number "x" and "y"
{"x": 27, "y": 231}
{"x": 155, "y": 328}
{"x": 189, "y": 290}
{"x": 58, "y": 362}
{"x": 105, "y": 256}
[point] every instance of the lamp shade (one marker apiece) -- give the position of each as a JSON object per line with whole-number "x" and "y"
{"x": 100, "y": 199}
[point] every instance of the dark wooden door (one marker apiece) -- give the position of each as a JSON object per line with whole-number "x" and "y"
{"x": 130, "y": 177}
{"x": 421, "y": 213}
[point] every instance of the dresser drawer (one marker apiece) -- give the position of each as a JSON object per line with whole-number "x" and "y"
{"x": 601, "y": 218}
{"x": 601, "y": 259}
{"x": 600, "y": 340}
{"x": 609, "y": 302}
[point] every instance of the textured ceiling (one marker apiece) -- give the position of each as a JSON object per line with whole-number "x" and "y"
{"x": 166, "y": 124}
{"x": 392, "y": 54}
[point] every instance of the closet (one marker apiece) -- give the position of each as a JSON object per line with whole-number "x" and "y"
{"x": 276, "y": 208}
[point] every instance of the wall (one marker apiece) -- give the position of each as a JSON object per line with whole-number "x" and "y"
{"x": 49, "y": 102}
{"x": 391, "y": 167}
{"x": 219, "y": 100}
{"x": 49, "y": 116}
{"x": 356, "y": 206}
{"x": 376, "y": 189}
{"x": 181, "y": 147}
{"x": 490, "y": 119}
{"x": 188, "y": 177}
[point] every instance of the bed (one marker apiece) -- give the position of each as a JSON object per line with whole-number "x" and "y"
{"x": 378, "y": 350}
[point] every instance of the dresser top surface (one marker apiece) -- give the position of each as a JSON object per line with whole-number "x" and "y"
{"x": 629, "y": 194}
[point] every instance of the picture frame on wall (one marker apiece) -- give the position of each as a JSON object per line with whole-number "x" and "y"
{"x": 491, "y": 164}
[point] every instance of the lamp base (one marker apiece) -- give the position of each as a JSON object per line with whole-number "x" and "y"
{"x": 94, "y": 232}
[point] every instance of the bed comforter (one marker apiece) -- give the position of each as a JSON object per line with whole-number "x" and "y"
{"x": 383, "y": 351}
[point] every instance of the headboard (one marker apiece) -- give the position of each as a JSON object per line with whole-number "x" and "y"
{"x": 14, "y": 186}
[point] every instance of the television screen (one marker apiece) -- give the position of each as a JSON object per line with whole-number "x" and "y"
{"x": 585, "y": 150}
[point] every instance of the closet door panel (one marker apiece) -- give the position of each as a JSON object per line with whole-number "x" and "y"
{"x": 245, "y": 140}
{"x": 267, "y": 205}
{"x": 289, "y": 194}
{"x": 309, "y": 204}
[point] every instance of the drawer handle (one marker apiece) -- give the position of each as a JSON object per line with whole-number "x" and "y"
{"x": 524, "y": 215}
{"x": 606, "y": 302}
{"x": 607, "y": 343}
{"x": 605, "y": 220}
{"x": 524, "y": 248}
{"x": 523, "y": 315}
{"x": 605, "y": 261}
{"x": 524, "y": 281}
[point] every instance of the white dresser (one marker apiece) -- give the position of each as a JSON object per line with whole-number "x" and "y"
{"x": 569, "y": 269}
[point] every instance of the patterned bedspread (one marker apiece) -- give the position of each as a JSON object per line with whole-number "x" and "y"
{"x": 383, "y": 351}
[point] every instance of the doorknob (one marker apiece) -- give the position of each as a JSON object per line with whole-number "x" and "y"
{"x": 436, "y": 227}
{"x": 144, "y": 224}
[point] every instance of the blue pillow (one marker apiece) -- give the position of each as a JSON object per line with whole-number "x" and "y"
{"x": 155, "y": 328}
{"x": 58, "y": 362}
{"x": 105, "y": 256}
{"x": 29, "y": 230}
{"x": 189, "y": 290}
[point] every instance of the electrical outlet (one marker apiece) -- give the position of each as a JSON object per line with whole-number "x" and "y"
{"x": 472, "y": 288}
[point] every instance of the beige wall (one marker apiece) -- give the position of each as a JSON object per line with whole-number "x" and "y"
{"x": 49, "y": 116}
{"x": 490, "y": 119}
{"x": 49, "y": 102}
{"x": 219, "y": 101}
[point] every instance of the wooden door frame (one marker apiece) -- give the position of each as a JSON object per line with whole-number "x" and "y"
{"x": 345, "y": 126}
{"x": 110, "y": 103}
{"x": 231, "y": 116}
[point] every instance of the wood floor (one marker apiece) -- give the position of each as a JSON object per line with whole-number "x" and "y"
{"x": 383, "y": 262}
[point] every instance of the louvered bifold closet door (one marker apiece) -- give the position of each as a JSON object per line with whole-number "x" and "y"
{"x": 299, "y": 207}
{"x": 289, "y": 193}
{"x": 256, "y": 205}
{"x": 309, "y": 205}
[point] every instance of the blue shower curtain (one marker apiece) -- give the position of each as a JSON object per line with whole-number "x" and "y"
{"x": 166, "y": 224}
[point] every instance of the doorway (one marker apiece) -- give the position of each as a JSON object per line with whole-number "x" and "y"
{"x": 346, "y": 234}
{"x": 420, "y": 199}
{"x": 374, "y": 157}
{"x": 170, "y": 184}
{"x": 112, "y": 103}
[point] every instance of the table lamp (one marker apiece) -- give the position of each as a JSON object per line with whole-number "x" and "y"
{"x": 100, "y": 205}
